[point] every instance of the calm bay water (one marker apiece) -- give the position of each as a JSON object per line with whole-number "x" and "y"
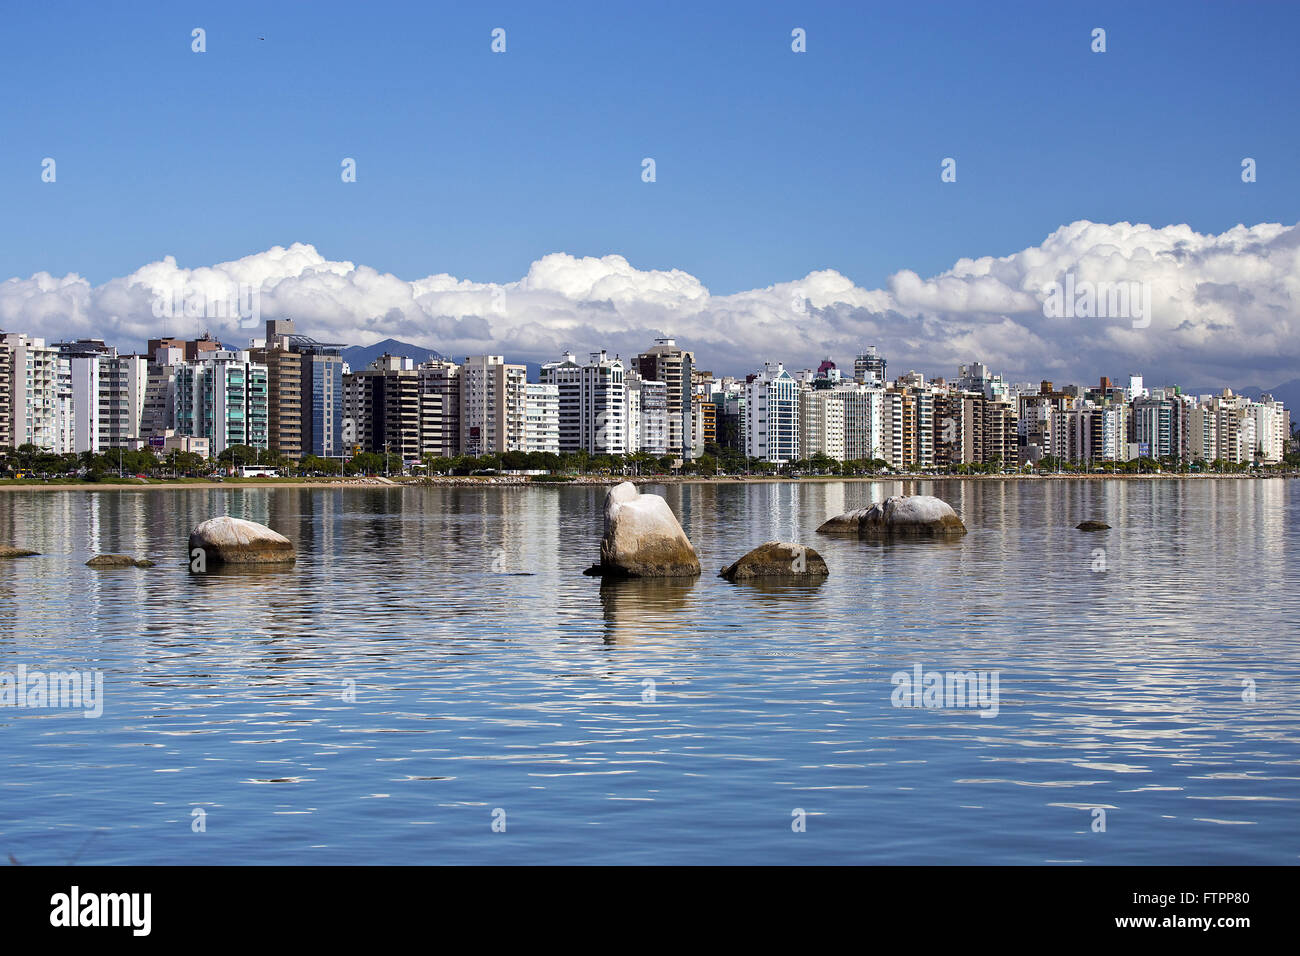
{"x": 489, "y": 674}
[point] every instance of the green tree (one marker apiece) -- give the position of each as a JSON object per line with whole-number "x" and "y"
{"x": 237, "y": 455}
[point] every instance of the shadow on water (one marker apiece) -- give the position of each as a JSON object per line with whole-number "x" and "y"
{"x": 888, "y": 544}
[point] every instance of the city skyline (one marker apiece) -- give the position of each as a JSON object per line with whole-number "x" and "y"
{"x": 291, "y": 394}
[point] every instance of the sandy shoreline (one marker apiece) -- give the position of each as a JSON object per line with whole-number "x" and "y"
{"x": 518, "y": 482}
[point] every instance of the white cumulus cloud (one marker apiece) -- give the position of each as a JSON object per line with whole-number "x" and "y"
{"x": 1223, "y": 308}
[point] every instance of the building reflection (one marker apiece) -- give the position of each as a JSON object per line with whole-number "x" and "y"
{"x": 636, "y": 609}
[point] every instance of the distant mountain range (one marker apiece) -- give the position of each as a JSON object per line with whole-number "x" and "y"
{"x": 359, "y": 357}
{"x": 1288, "y": 393}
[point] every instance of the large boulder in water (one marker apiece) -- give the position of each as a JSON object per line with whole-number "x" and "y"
{"x": 777, "y": 559}
{"x": 228, "y": 540}
{"x": 902, "y": 515}
{"x": 643, "y": 539}
{"x": 9, "y": 552}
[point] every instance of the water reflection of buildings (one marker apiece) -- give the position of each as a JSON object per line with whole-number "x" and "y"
{"x": 369, "y": 556}
{"x": 636, "y": 609}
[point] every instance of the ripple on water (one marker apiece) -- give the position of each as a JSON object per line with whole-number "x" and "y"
{"x": 384, "y": 698}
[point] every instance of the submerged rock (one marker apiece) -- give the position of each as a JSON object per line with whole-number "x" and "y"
{"x": 8, "y": 552}
{"x": 1092, "y": 526}
{"x": 118, "y": 561}
{"x": 777, "y": 559}
{"x": 916, "y": 515}
{"x": 228, "y": 540}
{"x": 642, "y": 538}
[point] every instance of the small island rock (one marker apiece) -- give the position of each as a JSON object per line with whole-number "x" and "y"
{"x": 917, "y": 515}
{"x": 118, "y": 561}
{"x": 777, "y": 559}
{"x": 1091, "y": 525}
{"x": 228, "y": 540}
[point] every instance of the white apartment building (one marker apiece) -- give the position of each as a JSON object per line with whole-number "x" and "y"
{"x": 1272, "y": 426}
{"x": 593, "y": 403}
{"x": 566, "y": 376}
{"x": 821, "y": 423}
{"x": 632, "y": 389}
{"x": 493, "y": 403}
{"x": 65, "y": 424}
{"x": 108, "y": 395}
{"x": 653, "y": 432}
{"x": 863, "y": 421}
{"x": 83, "y": 377}
{"x": 542, "y": 418}
{"x": 892, "y": 427}
{"x": 33, "y": 391}
{"x": 1236, "y": 429}
{"x": 772, "y": 415}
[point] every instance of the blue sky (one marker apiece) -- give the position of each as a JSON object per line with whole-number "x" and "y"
{"x": 770, "y": 164}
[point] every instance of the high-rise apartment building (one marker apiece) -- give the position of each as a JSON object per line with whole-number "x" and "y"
{"x": 1035, "y": 419}
{"x": 908, "y": 427}
{"x": 651, "y": 407}
{"x": 223, "y": 397}
{"x": 542, "y": 418}
{"x": 158, "y": 417}
{"x": 592, "y": 403}
{"x": 1089, "y": 433}
{"x": 869, "y": 367}
{"x": 1158, "y": 424}
{"x": 730, "y": 402}
{"x": 772, "y": 415}
{"x": 821, "y": 423}
{"x": 382, "y": 412}
{"x": 322, "y": 400}
{"x": 107, "y": 395}
{"x": 863, "y": 421}
{"x": 6, "y": 398}
{"x": 440, "y": 389}
{"x": 665, "y": 362}
{"x": 284, "y": 387}
{"x": 33, "y": 391}
{"x": 493, "y": 403}
{"x": 305, "y": 384}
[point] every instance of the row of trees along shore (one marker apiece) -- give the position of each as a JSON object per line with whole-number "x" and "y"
{"x": 29, "y": 461}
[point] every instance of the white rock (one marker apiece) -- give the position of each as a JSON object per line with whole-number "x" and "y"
{"x": 643, "y": 537}
{"x": 228, "y": 540}
{"x": 901, "y": 515}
